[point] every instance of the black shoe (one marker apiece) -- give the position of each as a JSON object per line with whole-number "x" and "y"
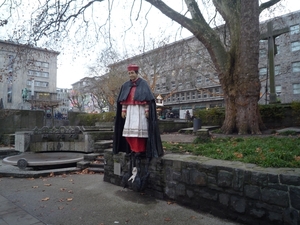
{"x": 140, "y": 154}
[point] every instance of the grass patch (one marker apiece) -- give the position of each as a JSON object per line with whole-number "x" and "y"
{"x": 263, "y": 151}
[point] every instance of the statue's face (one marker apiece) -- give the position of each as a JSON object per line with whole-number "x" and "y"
{"x": 132, "y": 75}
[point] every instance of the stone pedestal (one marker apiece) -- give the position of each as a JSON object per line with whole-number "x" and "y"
{"x": 22, "y": 141}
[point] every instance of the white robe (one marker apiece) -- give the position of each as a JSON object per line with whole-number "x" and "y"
{"x": 136, "y": 124}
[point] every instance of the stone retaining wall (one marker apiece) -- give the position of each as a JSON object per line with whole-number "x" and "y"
{"x": 241, "y": 192}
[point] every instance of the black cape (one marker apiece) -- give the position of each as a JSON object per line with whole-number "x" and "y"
{"x": 142, "y": 93}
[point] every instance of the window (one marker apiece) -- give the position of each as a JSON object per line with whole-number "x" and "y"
{"x": 10, "y": 63}
{"x": 9, "y": 89}
{"x": 38, "y": 83}
{"x": 193, "y": 95}
{"x": 262, "y": 53}
{"x": 277, "y": 70}
{"x": 199, "y": 94}
{"x": 207, "y": 79}
{"x": 173, "y": 84}
{"x": 158, "y": 87}
{"x": 39, "y": 64}
{"x": 277, "y": 49}
{"x": 180, "y": 85}
{"x": 217, "y": 91}
{"x": 295, "y": 29}
{"x": 278, "y": 90}
{"x": 263, "y": 71}
{"x": 295, "y": 46}
{"x": 199, "y": 80}
{"x": 296, "y": 88}
{"x": 216, "y": 78}
{"x": 296, "y": 67}
{"x": 204, "y": 94}
{"x": 35, "y": 73}
{"x": 211, "y": 92}
{"x": 182, "y": 96}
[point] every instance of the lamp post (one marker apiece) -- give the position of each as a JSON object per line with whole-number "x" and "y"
{"x": 32, "y": 92}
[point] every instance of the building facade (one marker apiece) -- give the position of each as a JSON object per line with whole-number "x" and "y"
{"x": 61, "y": 111}
{"x": 286, "y": 59}
{"x": 183, "y": 74}
{"x": 28, "y": 76}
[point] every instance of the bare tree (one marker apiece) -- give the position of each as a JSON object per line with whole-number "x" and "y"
{"x": 236, "y": 59}
{"x": 77, "y": 100}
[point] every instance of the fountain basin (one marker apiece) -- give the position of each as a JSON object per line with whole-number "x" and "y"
{"x": 29, "y": 159}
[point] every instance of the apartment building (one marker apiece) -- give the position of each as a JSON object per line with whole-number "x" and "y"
{"x": 28, "y": 76}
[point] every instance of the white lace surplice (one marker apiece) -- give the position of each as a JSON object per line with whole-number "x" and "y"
{"x": 136, "y": 124}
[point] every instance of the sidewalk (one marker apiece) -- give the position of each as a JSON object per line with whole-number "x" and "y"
{"x": 87, "y": 200}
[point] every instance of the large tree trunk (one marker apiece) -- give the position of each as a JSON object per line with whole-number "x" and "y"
{"x": 241, "y": 83}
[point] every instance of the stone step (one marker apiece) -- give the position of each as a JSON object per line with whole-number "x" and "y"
{"x": 102, "y": 145}
{"x": 92, "y": 156}
{"x": 96, "y": 165}
{"x": 83, "y": 164}
{"x": 96, "y": 169}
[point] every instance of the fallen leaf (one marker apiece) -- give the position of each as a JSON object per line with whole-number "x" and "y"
{"x": 70, "y": 191}
{"x": 297, "y": 158}
{"x": 51, "y": 174}
{"x": 45, "y": 199}
{"x": 62, "y": 189}
{"x": 238, "y": 155}
{"x": 60, "y": 207}
{"x": 170, "y": 203}
{"x": 69, "y": 199}
{"x": 47, "y": 185}
{"x": 30, "y": 178}
{"x": 167, "y": 219}
{"x": 35, "y": 186}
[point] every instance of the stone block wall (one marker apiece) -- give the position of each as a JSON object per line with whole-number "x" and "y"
{"x": 241, "y": 192}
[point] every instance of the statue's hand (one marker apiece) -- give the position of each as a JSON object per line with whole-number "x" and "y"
{"x": 123, "y": 115}
{"x": 134, "y": 172}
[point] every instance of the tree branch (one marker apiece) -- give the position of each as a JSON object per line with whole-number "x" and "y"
{"x": 268, "y": 4}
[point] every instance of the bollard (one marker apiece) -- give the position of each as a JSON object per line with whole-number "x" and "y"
{"x": 196, "y": 124}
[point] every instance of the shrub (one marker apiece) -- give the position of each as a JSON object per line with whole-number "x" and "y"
{"x": 89, "y": 119}
{"x": 296, "y": 111}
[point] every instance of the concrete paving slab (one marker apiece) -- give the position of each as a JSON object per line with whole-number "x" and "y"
{"x": 78, "y": 199}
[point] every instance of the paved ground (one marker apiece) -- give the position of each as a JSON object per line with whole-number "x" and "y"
{"x": 77, "y": 199}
